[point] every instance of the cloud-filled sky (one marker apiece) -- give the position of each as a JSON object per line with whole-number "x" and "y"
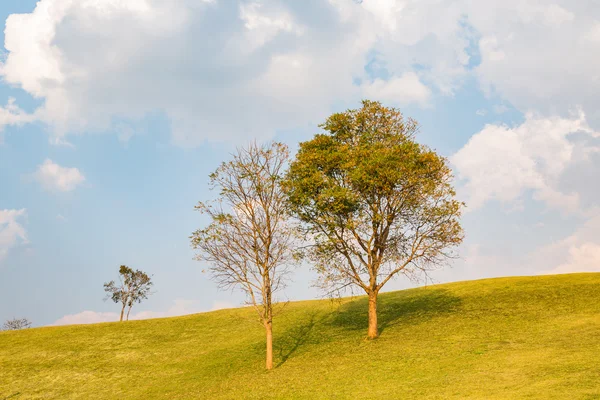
{"x": 114, "y": 113}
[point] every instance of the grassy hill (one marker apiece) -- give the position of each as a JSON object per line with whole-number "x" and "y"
{"x": 508, "y": 338}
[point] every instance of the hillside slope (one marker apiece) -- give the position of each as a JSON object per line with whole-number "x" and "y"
{"x": 507, "y": 338}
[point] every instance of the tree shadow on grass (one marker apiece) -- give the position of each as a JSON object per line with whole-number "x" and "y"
{"x": 398, "y": 307}
{"x": 288, "y": 343}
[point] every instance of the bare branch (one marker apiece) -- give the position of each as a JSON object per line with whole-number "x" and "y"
{"x": 249, "y": 243}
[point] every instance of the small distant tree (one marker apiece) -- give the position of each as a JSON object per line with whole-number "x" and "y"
{"x": 374, "y": 201}
{"x": 133, "y": 287}
{"x": 16, "y": 324}
{"x": 249, "y": 241}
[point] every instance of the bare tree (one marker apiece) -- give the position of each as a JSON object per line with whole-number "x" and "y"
{"x": 16, "y": 324}
{"x": 133, "y": 287}
{"x": 249, "y": 241}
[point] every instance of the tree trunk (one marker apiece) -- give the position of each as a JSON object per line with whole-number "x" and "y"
{"x": 373, "y": 330}
{"x": 122, "y": 311}
{"x": 128, "y": 311}
{"x": 269, "y": 328}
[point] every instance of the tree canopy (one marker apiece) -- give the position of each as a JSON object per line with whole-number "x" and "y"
{"x": 374, "y": 202}
{"x": 134, "y": 287}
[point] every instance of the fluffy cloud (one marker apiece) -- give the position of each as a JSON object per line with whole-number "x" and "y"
{"x": 582, "y": 258}
{"x": 428, "y": 37}
{"x": 12, "y": 233}
{"x": 94, "y": 62}
{"x": 578, "y": 252}
{"x": 13, "y": 115}
{"x": 277, "y": 65}
{"x": 541, "y": 55}
{"x": 53, "y": 177}
{"x": 274, "y": 65}
{"x": 401, "y": 90}
{"x": 179, "y": 307}
{"x": 87, "y": 317}
{"x": 502, "y": 163}
{"x": 561, "y": 72}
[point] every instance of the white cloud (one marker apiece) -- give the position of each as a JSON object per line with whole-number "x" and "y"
{"x": 428, "y": 35}
{"x": 582, "y": 258}
{"x": 489, "y": 49}
{"x": 12, "y": 233}
{"x": 53, "y": 177}
{"x": 87, "y": 317}
{"x": 552, "y": 15}
{"x": 179, "y": 307}
{"x": 405, "y": 89}
{"x": 593, "y": 33}
{"x": 13, "y": 115}
{"x": 95, "y": 63}
{"x": 537, "y": 54}
{"x": 264, "y": 24}
{"x": 502, "y": 163}
{"x": 275, "y": 65}
{"x": 578, "y": 252}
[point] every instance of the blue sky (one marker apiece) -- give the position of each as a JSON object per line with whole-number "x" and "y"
{"x": 114, "y": 113}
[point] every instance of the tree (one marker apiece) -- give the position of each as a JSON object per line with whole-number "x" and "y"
{"x": 16, "y": 324}
{"x": 249, "y": 241}
{"x": 374, "y": 202}
{"x": 133, "y": 287}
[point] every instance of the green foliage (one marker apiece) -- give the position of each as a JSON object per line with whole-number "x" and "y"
{"x": 509, "y": 338}
{"x": 134, "y": 287}
{"x": 374, "y": 201}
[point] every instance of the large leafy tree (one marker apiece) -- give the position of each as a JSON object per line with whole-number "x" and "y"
{"x": 374, "y": 202}
{"x": 134, "y": 286}
{"x": 249, "y": 240}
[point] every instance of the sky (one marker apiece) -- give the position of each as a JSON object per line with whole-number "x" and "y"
{"x": 113, "y": 113}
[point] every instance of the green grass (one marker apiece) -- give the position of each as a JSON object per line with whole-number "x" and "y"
{"x": 508, "y": 338}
